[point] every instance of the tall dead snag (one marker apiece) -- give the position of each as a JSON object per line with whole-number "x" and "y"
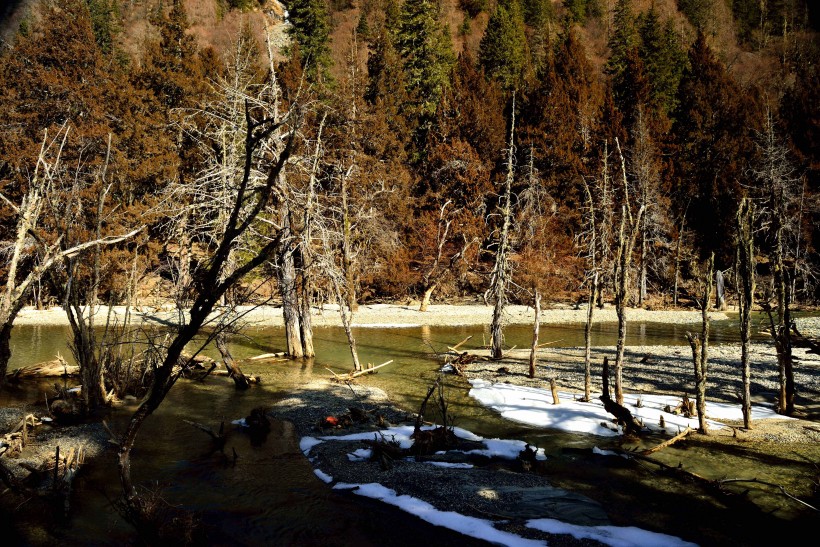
{"x": 781, "y": 215}
{"x": 593, "y": 238}
{"x": 437, "y": 269}
{"x": 501, "y": 273}
{"x": 700, "y": 347}
{"x": 21, "y": 275}
{"x": 645, "y": 166}
{"x": 286, "y": 277}
{"x": 627, "y": 234}
{"x": 306, "y": 255}
{"x": 267, "y": 148}
{"x": 536, "y": 323}
{"x": 330, "y": 261}
{"x": 678, "y": 256}
{"x": 745, "y": 281}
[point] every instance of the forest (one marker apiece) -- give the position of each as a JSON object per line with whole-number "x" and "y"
{"x": 202, "y": 155}
{"x": 413, "y": 118}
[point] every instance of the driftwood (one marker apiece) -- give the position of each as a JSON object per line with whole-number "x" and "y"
{"x": 455, "y": 348}
{"x": 352, "y": 375}
{"x": 55, "y": 368}
{"x": 429, "y": 441}
{"x": 218, "y": 439}
{"x": 686, "y": 407}
{"x": 278, "y": 356}
{"x": 621, "y": 413}
{"x": 234, "y": 372}
{"x": 670, "y": 442}
{"x": 14, "y": 441}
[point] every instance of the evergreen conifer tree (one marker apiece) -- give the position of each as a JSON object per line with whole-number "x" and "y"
{"x": 504, "y": 45}
{"x": 310, "y": 28}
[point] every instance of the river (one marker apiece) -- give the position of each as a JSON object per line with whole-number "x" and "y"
{"x": 269, "y": 494}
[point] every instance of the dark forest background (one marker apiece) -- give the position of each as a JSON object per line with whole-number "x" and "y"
{"x": 676, "y": 108}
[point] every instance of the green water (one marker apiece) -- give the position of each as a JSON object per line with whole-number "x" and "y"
{"x": 270, "y": 495}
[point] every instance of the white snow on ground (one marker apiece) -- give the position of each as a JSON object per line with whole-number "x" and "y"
{"x": 617, "y": 536}
{"x": 584, "y": 421}
{"x": 534, "y": 406}
{"x": 469, "y": 526}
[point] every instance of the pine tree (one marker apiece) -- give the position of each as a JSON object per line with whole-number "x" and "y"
{"x": 713, "y": 149}
{"x": 310, "y": 28}
{"x": 504, "y": 45}
{"x": 623, "y": 40}
{"x": 427, "y": 54}
{"x": 105, "y": 22}
{"x": 663, "y": 57}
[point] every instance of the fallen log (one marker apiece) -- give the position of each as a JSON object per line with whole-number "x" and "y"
{"x": 670, "y": 442}
{"x": 352, "y": 375}
{"x": 455, "y": 348}
{"x": 49, "y": 369}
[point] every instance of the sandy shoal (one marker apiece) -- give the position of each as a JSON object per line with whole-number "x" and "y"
{"x": 384, "y": 315}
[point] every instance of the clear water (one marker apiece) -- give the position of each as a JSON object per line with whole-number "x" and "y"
{"x": 270, "y": 496}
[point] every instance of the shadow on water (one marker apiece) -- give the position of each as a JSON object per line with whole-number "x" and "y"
{"x": 270, "y": 496}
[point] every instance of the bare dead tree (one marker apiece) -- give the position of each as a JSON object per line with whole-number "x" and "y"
{"x": 269, "y": 139}
{"x": 777, "y": 176}
{"x": 745, "y": 281}
{"x": 591, "y": 243}
{"x": 501, "y": 272}
{"x": 334, "y": 273}
{"x": 627, "y": 235}
{"x": 23, "y": 274}
{"x": 536, "y": 300}
{"x": 700, "y": 347}
{"x": 679, "y": 255}
{"x": 653, "y": 227}
{"x": 437, "y": 268}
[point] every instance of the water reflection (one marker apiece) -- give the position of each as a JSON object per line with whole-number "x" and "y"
{"x": 269, "y": 494}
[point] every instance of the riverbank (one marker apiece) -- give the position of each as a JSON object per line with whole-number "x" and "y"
{"x": 509, "y": 497}
{"x": 382, "y": 315}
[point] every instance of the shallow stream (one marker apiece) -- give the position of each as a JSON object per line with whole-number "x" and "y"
{"x": 270, "y": 496}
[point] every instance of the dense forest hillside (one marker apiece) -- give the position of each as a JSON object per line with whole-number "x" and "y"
{"x": 439, "y": 146}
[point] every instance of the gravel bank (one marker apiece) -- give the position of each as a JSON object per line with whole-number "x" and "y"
{"x": 669, "y": 370}
{"x": 487, "y": 492}
{"x": 386, "y": 315}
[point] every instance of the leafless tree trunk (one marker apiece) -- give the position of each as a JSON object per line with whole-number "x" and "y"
{"x": 720, "y": 291}
{"x": 436, "y": 270}
{"x": 252, "y": 196}
{"x": 536, "y": 323}
{"x": 678, "y": 248}
{"x": 347, "y": 250}
{"x": 745, "y": 275}
{"x": 286, "y": 276}
{"x": 700, "y": 347}
{"x": 18, "y": 284}
{"x": 626, "y": 243}
{"x": 593, "y": 272}
{"x": 776, "y": 172}
{"x": 305, "y": 252}
{"x": 593, "y": 289}
{"x": 501, "y": 273}
{"x": 239, "y": 379}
